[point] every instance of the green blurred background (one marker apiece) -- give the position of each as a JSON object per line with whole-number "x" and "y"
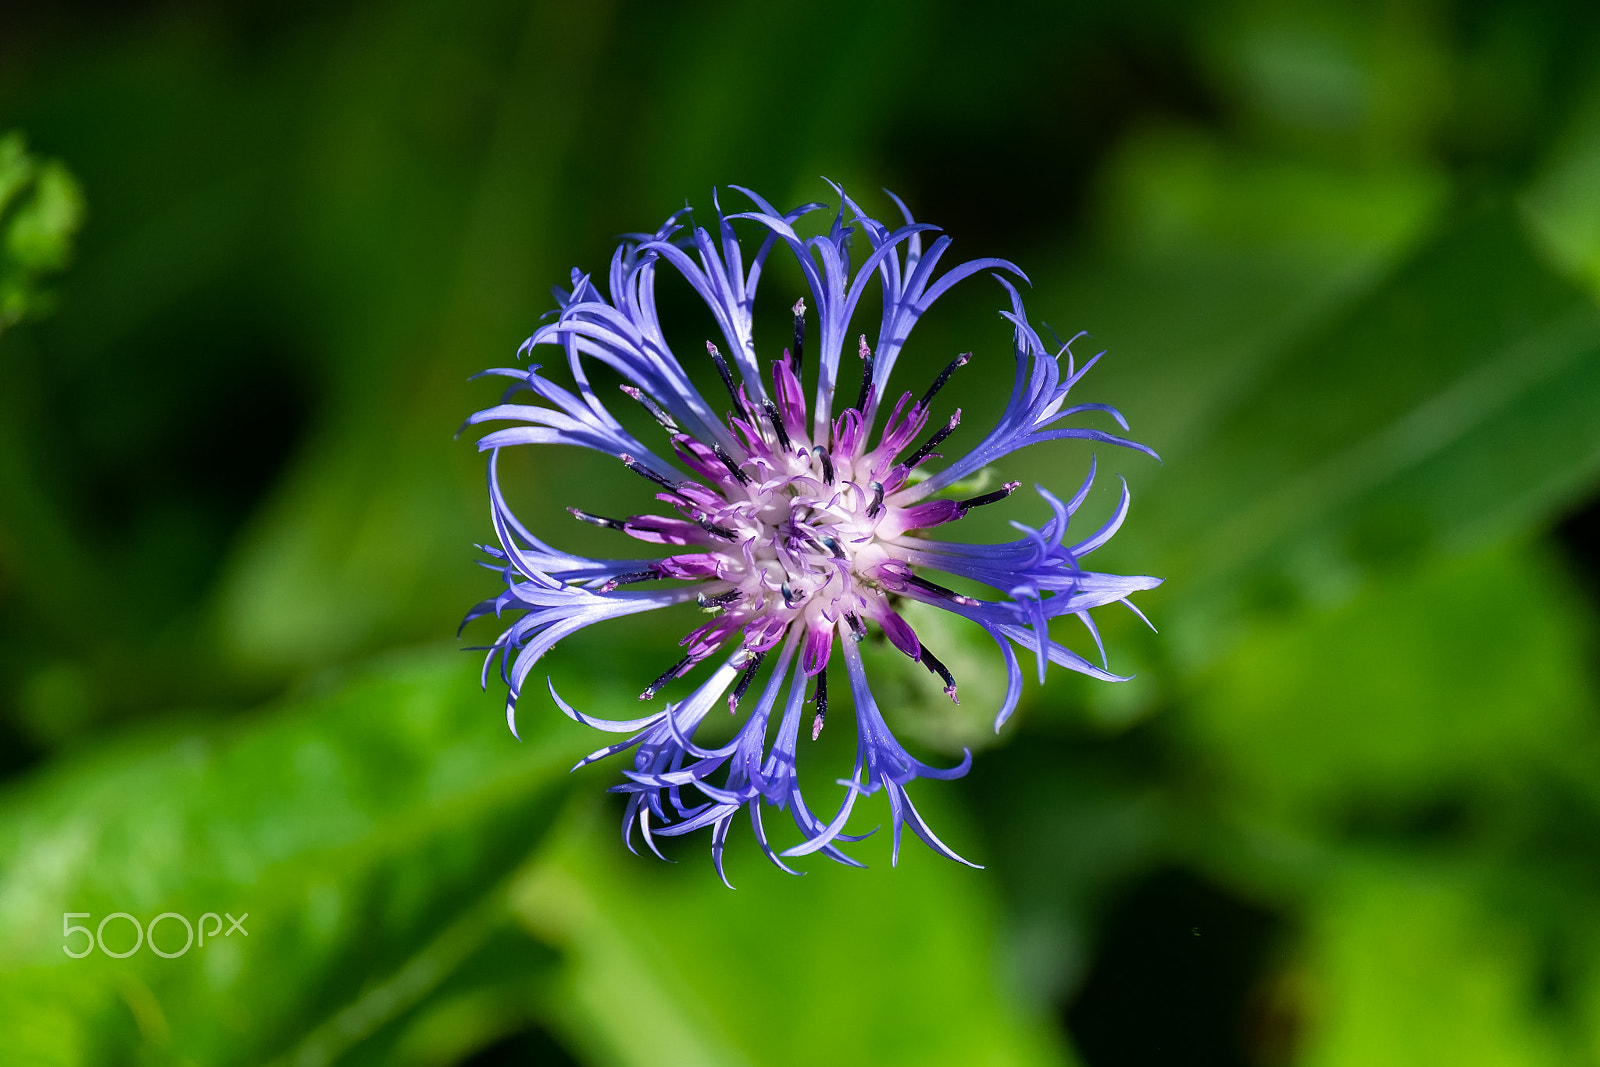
{"x": 1345, "y": 257}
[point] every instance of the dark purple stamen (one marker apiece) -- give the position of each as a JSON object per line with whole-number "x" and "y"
{"x": 788, "y": 595}
{"x": 832, "y": 545}
{"x": 645, "y": 472}
{"x": 799, "y": 310}
{"x": 877, "y": 500}
{"x": 784, "y": 444}
{"x": 938, "y": 590}
{"x": 857, "y": 627}
{"x": 745, "y": 679}
{"x": 677, "y": 670}
{"x": 944, "y": 376}
{"x": 827, "y": 463}
{"x": 727, "y": 375}
{"x": 930, "y": 661}
{"x": 866, "y": 375}
{"x": 714, "y": 530}
{"x": 822, "y": 703}
{"x": 989, "y": 498}
{"x": 933, "y": 442}
{"x": 727, "y": 461}
{"x": 718, "y": 600}
{"x": 629, "y": 579}
{"x": 658, "y": 412}
{"x": 597, "y": 520}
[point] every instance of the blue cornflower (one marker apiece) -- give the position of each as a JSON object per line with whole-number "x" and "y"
{"x": 798, "y": 534}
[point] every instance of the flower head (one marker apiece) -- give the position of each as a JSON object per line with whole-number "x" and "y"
{"x": 800, "y": 530}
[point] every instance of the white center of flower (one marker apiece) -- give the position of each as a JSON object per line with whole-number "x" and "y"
{"x": 808, "y": 543}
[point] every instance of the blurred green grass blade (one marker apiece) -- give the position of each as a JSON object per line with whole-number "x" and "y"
{"x": 1465, "y": 331}
{"x": 881, "y": 966}
{"x": 1560, "y": 204}
{"x": 1328, "y": 410}
{"x": 373, "y": 1023}
{"x": 1213, "y": 261}
{"x": 366, "y": 831}
{"x": 354, "y": 549}
{"x": 1473, "y": 332}
{"x": 1451, "y": 406}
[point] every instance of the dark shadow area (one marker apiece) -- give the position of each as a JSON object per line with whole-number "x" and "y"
{"x": 1176, "y": 980}
{"x": 18, "y": 751}
{"x": 1094, "y": 73}
{"x": 535, "y": 1045}
{"x": 1579, "y": 535}
{"x": 1448, "y": 818}
{"x": 168, "y": 443}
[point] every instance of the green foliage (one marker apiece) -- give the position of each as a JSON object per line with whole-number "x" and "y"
{"x": 368, "y": 832}
{"x": 1413, "y": 967}
{"x": 378, "y": 837}
{"x": 889, "y": 965}
{"x": 1313, "y": 716}
{"x": 1344, "y": 258}
{"x": 41, "y": 209}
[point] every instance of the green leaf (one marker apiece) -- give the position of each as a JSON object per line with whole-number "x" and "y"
{"x": 882, "y": 966}
{"x": 1406, "y": 966}
{"x": 1438, "y": 681}
{"x": 367, "y": 832}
